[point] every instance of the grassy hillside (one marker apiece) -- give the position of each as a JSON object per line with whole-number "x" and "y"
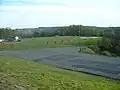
{"x": 21, "y": 74}
{"x": 49, "y": 42}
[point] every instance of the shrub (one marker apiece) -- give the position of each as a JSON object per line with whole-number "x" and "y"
{"x": 86, "y": 50}
{"x": 96, "y": 49}
{"x": 106, "y": 53}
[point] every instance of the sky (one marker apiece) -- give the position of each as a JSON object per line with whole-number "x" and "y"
{"x": 45, "y": 13}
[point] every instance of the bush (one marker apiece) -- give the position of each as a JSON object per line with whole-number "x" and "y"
{"x": 19, "y": 40}
{"x": 96, "y": 49}
{"x": 113, "y": 54}
{"x": 106, "y": 43}
{"x": 86, "y": 50}
{"x": 106, "y": 53}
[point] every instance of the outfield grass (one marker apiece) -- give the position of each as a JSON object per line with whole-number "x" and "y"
{"x": 49, "y": 42}
{"x": 19, "y": 74}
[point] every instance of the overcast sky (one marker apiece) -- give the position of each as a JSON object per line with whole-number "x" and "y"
{"x": 36, "y": 13}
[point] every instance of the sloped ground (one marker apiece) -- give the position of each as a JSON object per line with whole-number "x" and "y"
{"x": 20, "y": 74}
{"x": 69, "y": 58}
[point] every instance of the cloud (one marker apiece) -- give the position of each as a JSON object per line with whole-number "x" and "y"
{"x": 31, "y": 2}
{"x": 88, "y": 13}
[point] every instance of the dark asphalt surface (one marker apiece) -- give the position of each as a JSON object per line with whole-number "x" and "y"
{"x": 69, "y": 58}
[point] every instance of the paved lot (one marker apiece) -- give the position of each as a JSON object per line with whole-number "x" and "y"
{"x": 69, "y": 58}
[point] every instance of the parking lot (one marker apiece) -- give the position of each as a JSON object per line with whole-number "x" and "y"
{"x": 69, "y": 58}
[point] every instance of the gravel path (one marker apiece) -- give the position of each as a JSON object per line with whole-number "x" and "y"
{"x": 69, "y": 58}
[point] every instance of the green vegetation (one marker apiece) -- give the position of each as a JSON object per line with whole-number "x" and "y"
{"x": 86, "y": 50}
{"x": 49, "y": 42}
{"x": 109, "y": 45}
{"x": 72, "y": 30}
{"x": 111, "y": 42}
{"x": 6, "y": 32}
{"x": 19, "y": 74}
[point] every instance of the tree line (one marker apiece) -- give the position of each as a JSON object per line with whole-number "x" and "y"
{"x": 72, "y": 30}
{"x": 6, "y": 32}
{"x": 110, "y": 41}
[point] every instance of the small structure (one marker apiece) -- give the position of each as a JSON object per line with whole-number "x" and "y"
{"x": 16, "y": 38}
{"x": 13, "y": 39}
{"x": 1, "y": 40}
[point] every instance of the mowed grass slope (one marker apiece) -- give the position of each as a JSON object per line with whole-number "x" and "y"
{"x": 48, "y": 42}
{"x": 19, "y": 74}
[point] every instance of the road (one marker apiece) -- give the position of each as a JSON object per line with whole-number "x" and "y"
{"x": 69, "y": 58}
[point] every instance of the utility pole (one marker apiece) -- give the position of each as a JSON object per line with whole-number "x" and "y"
{"x": 79, "y": 31}
{"x": 112, "y": 31}
{"x": 79, "y": 36}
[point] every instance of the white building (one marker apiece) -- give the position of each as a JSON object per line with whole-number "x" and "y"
{"x": 16, "y": 38}
{"x": 1, "y": 40}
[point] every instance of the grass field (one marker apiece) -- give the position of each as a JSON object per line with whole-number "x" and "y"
{"x": 19, "y": 74}
{"x": 49, "y": 42}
